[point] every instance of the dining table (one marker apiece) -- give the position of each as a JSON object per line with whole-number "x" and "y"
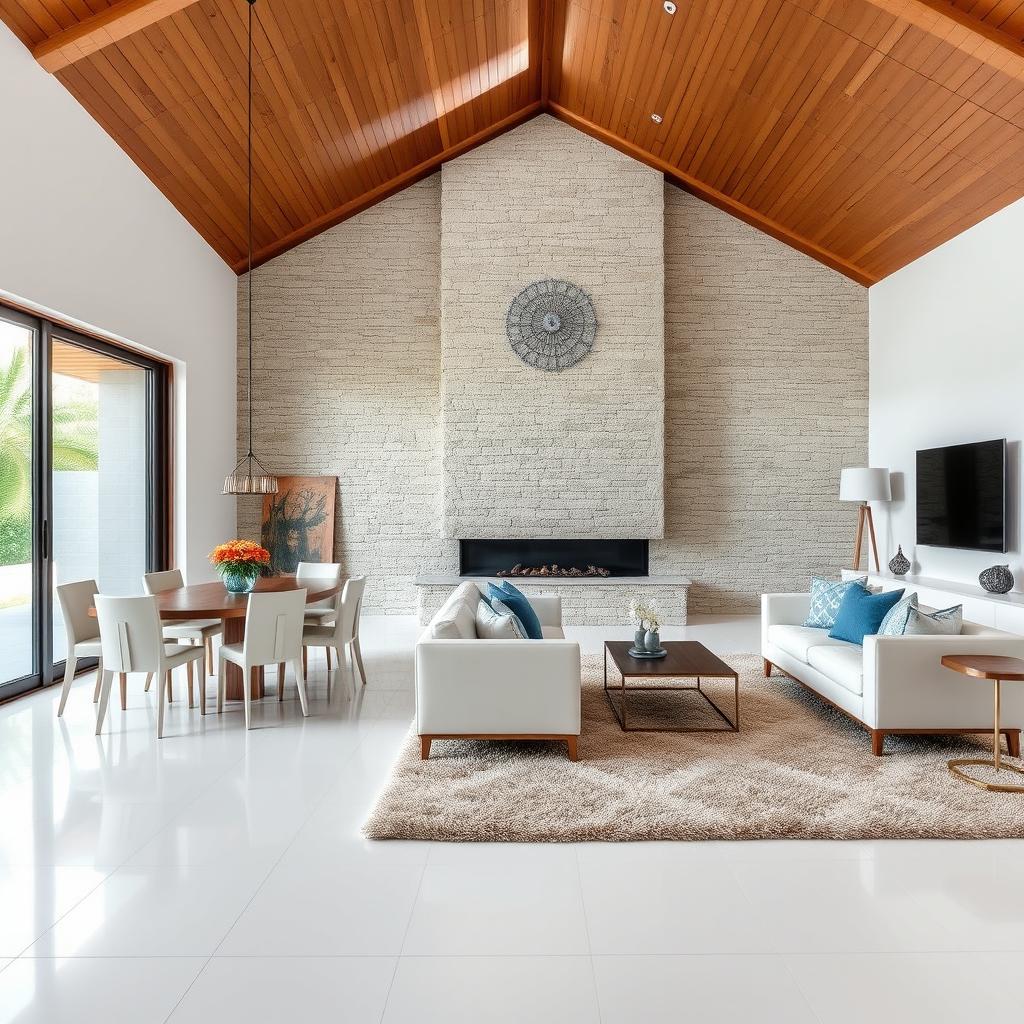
{"x": 215, "y": 601}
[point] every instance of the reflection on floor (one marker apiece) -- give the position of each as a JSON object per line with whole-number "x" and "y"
{"x": 220, "y": 876}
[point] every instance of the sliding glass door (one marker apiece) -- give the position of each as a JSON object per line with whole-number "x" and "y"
{"x": 83, "y": 491}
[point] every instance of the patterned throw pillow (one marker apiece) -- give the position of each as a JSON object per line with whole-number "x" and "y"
{"x": 948, "y": 622}
{"x": 895, "y": 622}
{"x": 826, "y": 597}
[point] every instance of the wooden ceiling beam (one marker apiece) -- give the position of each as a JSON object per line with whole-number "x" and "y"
{"x": 547, "y": 29}
{"x": 102, "y": 29}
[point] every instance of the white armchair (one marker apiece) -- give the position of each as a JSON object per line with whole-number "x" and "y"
{"x": 469, "y": 688}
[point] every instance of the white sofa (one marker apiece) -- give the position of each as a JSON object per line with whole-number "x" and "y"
{"x": 892, "y": 684}
{"x": 468, "y": 688}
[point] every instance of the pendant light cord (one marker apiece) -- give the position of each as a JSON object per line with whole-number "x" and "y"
{"x": 249, "y": 273}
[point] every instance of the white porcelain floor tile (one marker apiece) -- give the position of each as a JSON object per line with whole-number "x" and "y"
{"x": 33, "y": 898}
{"x": 491, "y": 908}
{"x": 176, "y": 910}
{"x": 137, "y": 990}
{"x": 492, "y": 989}
{"x": 310, "y": 990}
{"x": 913, "y": 988}
{"x": 704, "y": 989}
{"x": 327, "y": 910}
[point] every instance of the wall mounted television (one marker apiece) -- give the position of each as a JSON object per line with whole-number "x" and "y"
{"x": 961, "y": 496}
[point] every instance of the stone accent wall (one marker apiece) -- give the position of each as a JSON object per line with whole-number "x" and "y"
{"x": 527, "y": 452}
{"x": 346, "y": 384}
{"x": 766, "y": 400}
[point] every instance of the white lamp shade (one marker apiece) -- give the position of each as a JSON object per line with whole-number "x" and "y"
{"x": 864, "y": 484}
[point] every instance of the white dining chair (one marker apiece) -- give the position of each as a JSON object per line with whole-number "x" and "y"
{"x": 320, "y": 612}
{"x": 343, "y": 635}
{"x": 273, "y": 636}
{"x": 82, "y": 631}
{"x": 132, "y": 641}
{"x": 195, "y": 631}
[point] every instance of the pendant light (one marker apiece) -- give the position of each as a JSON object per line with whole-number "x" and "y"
{"x": 250, "y": 475}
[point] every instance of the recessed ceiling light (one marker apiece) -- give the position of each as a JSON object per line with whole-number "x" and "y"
{"x": 657, "y": 118}
{"x": 670, "y": 8}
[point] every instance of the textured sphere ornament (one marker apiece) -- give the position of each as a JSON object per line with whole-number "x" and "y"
{"x": 551, "y": 325}
{"x": 997, "y": 580}
{"x": 899, "y": 564}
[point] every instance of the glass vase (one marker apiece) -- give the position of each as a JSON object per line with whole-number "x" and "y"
{"x": 240, "y": 579}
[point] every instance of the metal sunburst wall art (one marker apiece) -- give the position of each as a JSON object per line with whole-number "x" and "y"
{"x": 551, "y": 325}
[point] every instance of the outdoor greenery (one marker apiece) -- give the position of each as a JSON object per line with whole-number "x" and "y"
{"x": 75, "y": 447}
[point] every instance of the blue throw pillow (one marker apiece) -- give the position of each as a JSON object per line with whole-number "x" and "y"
{"x": 520, "y": 605}
{"x": 895, "y": 621}
{"x": 826, "y": 596}
{"x": 861, "y": 613}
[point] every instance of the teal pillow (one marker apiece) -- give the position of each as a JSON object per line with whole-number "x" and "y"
{"x": 895, "y": 621}
{"x": 826, "y": 596}
{"x": 861, "y": 613}
{"x": 520, "y": 606}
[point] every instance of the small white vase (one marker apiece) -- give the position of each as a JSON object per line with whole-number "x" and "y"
{"x": 652, "y": 641}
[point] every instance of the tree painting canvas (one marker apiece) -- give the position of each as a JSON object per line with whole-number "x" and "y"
{"x": 298, "y": 522}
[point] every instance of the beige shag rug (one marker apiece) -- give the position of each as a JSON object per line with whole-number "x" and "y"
{"x": 796, "y": 770}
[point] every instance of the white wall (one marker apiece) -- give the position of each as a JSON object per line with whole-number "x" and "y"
{"x": 947, "y": 367}
{"x": 84, "y": 234}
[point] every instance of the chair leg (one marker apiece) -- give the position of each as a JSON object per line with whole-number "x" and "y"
{"x": 99, "y": 681}
{"x": 328, "y": 650}
{"x": 305, "y": 660}
{"x": 359, "y": 659}
{"x": 202, "y": 687}
{"x": 101, "y": 711}
{"x": 280, "y": 681}
{"x": 164, "y": 697}
{"x": 69, "y": 678}
{"x": 124, "y": 690}
{"x": 248, "y": 678}
{"x": 170, "y": 688}
{"x": 300, "y": 680}
{"x": 208, "y": 656}
{"x": 190, "y": 674}
{"x": 149, "y": 681}
{"x": 221, "y": 682}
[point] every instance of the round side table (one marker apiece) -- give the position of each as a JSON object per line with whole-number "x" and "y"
{"x": 999, "y": 670}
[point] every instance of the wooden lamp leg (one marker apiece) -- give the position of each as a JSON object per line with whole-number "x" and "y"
{"x": 871, "y": 533}
{"x": 859, "y": 538}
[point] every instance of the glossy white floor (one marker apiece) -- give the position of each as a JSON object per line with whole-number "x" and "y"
{"x": 220, "y": 876}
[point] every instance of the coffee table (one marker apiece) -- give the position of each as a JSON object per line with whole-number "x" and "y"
{"x": 686, "y": 659}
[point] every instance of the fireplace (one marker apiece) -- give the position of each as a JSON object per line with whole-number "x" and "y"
{"x": 553, "y": 558}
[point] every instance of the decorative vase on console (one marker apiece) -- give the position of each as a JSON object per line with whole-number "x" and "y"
{"x": 652, "y": 641}
{"x": 899, "y": 564}
{"x": 997, "y": 580}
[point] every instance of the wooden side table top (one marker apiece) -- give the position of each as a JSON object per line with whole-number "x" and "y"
{"x": 985, "y": 666}
{"x": 684, "y": 658}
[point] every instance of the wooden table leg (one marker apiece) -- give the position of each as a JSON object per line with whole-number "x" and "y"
{"x": 234, "y": 633}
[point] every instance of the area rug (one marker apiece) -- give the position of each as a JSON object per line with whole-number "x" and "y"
{"x": 796, "y": 770}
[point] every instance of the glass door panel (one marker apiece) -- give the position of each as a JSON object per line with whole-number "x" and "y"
{"x": 18, "y": 566}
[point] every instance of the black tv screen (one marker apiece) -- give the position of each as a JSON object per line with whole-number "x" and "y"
{"x": 961, "y": 496}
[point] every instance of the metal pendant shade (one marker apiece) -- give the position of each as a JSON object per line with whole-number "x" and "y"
{"x": 250, "y": 476}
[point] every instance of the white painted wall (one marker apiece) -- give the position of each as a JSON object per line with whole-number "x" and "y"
{"x": 84, "y": 234}
{"x": 947, "y": 367}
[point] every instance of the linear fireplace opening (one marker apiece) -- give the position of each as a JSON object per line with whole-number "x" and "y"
{"x": 540, "y": 558}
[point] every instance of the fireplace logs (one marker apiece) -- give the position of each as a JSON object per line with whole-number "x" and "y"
{"x": 553, "y": 570}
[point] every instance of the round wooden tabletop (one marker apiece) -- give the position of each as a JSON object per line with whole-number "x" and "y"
{"x": 985, "y": 666}
{"x": 214, "y": 601}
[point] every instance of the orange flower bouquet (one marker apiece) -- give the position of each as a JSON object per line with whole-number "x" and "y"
{"x": 240, "y": 564}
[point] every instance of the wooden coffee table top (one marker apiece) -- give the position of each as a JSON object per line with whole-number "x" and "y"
{"x": 684, "y": 658}
{"x": 985, "y": 666}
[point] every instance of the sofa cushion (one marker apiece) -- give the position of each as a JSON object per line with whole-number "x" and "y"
{"x": 520, "y": 604}
{"x": 798, "y": 640}
{"x": 843, "y": 665}
{"x": 861, "y": 613}
{"x": 497, "y": 623}
{"x": 457, "y": 618}
{"x": 826, "y": 597}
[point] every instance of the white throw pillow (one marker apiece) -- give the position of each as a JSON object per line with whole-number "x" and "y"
{"x": 457, "y": 622}
{"x": 497, "y": 623}
{"x": 947, "y": 622}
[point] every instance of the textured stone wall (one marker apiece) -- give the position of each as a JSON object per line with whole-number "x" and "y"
{"x": 766, "y": 383}
{"x": 533, "y": 453}
{"x": 347, "y": 384}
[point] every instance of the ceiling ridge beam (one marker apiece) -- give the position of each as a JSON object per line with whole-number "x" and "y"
{"x": 103, "y": 29}
{"x": 716, "y": 198}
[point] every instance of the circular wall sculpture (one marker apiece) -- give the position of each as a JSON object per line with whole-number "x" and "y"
{"x": 551, "y": 325}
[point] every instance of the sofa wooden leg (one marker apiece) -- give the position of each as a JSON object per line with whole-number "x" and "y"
{"x": 1013, "y": 742}
{"x": 424, "y": 747}
{"x": 767, "y": 668}
{"x": 571, "y": 741}
{"x": 877, "y": 742}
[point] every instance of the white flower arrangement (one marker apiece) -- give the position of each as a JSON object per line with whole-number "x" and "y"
{"x": 645, "y": 613}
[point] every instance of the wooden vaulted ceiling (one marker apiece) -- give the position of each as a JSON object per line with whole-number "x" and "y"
{"x": 862, "y": 132}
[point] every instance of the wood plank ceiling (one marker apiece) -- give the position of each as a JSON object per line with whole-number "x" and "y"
{"x": 862, "y": 132}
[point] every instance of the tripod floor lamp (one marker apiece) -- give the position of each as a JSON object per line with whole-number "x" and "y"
{"x": 864, "y": 485}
